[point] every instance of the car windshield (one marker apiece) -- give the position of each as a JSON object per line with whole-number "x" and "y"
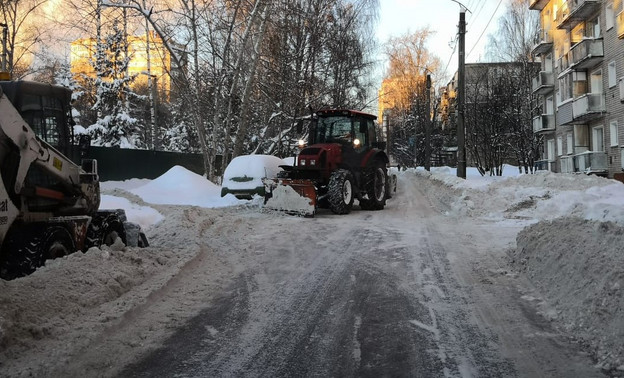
{"x": 332, "y": 129}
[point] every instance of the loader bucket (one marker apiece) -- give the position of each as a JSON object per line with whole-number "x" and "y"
{"x": 297, "y": 197}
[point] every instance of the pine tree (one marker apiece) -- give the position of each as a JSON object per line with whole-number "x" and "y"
{"x": 116, "y": 127}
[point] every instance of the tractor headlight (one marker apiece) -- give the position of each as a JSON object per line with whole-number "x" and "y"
{"x": 301, "y": 143}
{"x": 356, "y": 142}
{"x": 302, "y": 162}
{"x": 312, "y": 161}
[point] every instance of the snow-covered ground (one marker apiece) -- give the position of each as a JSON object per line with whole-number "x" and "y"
{"x": 570, "y": 248}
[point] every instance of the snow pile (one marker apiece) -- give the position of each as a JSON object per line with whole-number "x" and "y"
{"x": 144, "y": 216}
{"x": 541, "y": 196}
{"x": 571, "y": 248}
{"x": 73, "y": 298}
{"x": 179, "y": 186}
{"x": 285, "y": 198}
{"x": 578, "y": 266}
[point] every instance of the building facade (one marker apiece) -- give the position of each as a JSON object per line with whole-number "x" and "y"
{"x": 580, "y": 86}
{"x": 497, "y": 112}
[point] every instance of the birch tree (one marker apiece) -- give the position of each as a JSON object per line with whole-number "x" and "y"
{"x": 513, "y": 42}
{"x": 20, "y": 16}
{"x": 405, "y": 95}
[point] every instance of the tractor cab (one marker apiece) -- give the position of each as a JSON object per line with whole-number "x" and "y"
{"x": 347, "y": 127}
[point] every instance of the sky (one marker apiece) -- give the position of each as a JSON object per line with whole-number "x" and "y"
{"x": 398, "y": 17}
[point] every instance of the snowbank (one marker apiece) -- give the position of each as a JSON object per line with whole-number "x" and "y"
{"x": 571, "y": 248}
{"x": 578, "y": 267}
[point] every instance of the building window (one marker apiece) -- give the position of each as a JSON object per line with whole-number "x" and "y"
{"x": 613, "y": 133}
{"x": 595, "y": 81}
{"x": 550, "y": 151}
{"x": 612, "y": 75}
{"x": 610, "y": 14}
{"x": 574, "y": 84}
{"x": 593, "y": 28}
{"x": 570, "y": 144}
{"x": 548, "y": 63}
{"x": 598, "y": 139}
{"x": 559, "y": 146}
{"x": 550, "y": 108}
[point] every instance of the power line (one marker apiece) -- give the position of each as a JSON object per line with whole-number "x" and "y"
{"x": 486, "y": 26}
{"x": 449, "y": 61}
{"x": 477, "y": 12}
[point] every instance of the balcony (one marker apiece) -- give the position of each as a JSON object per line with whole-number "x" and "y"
{"x": 591, "y": 162}
{"x": 563, "y": 62}
{"x": 538, "y": 4}
{"x": 620, "y": 24}
{"x": 565, "y": 113}
{"x": 579, "y": 11}
{"x": 544, "y": 123}
{"x": 588, "y": 107}
{"x": 543, "y": 42}
{"x": 543, "y": 83}
{"x": 587, "y": 53}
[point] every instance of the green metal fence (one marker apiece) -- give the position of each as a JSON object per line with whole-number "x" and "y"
{"x": 116, "y": 164}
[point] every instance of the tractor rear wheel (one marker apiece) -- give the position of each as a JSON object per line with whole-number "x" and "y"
{"x": 340, "y": 190}
{"x": 376, "y": 188}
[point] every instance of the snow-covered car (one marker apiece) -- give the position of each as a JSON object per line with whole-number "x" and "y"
{"x": 243, "y": 176}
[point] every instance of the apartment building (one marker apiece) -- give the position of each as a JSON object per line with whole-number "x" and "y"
{"x": 580, "y": 86}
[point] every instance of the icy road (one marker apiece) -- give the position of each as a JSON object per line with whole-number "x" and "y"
{"x": 404, "y": 292}
{"x": 361, "y": 295}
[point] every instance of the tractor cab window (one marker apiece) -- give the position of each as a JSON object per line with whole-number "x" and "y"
{"x": 361, "y": 131}
{"x": 334, "y": 129}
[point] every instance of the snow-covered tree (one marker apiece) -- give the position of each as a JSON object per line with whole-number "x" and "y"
{"x": 116, "y": 127}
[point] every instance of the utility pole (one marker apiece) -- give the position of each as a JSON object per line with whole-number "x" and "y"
{"x": 428, "y": 126}
{"x": 461, "y": 96}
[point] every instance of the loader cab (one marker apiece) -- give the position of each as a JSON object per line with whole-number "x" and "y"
{"x": 47, "y": 110}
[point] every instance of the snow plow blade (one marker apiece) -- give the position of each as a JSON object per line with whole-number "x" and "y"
{"x": 295, "y": 197}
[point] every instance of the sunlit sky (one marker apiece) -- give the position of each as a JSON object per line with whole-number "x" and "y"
{"x": 398, "y": 17}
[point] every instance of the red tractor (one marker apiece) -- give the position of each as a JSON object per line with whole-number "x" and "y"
{"x": 343, "y": 161}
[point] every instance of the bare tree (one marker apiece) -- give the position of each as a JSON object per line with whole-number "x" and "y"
{"x": 513, "y": 42}
{"x": 514, "y": 38}
{"x": 19, "y": 16}
{"x": 497, "y": 127}
{"x": 243, "y": 71}
{"x": 407, "y": 97}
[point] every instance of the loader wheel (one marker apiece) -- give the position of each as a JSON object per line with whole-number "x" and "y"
{"x": 340, "y": 190}
{"x": 21, "y": 254}
{"x": 31, "y": 247}
{"x": 104, "y": 230}
{"x": 57, "y": 242}
{"x": 376, "y": 189}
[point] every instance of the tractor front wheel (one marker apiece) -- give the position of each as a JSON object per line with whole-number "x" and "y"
{"x": 376, "y": 188}
{"x": 340, "y": 190}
